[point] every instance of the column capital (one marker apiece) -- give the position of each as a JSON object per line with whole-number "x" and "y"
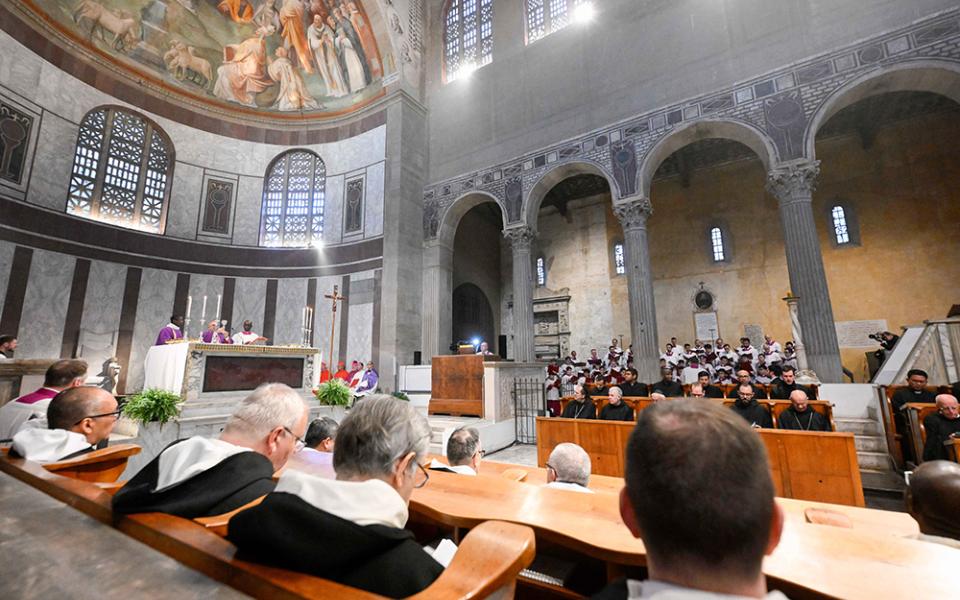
{"x": 520, "y": 238}
{"x": 794, "y": 181}
{"x": 633, "y": 212}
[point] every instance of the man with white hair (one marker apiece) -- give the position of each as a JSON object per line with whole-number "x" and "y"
{"x": 568, "y": 468}
{"x": 615, "y": 409}
{"x": 581, "y": 406}
{"x": 201, "y": 477}
{"x": 942, "y": 426}
{"x": 350, "y": 529}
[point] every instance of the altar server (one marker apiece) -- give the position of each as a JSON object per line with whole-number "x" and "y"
{"x": 247, "y": 336}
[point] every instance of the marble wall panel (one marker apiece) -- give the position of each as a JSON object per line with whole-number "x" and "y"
{"x": 45, "y": 305}
{"x": 291, "y": 298}
{"x": 321, "y": 320}
{"x": 246, "y": 224}
{"x": 154, "y": 305}
{"x": 101, "y": 309}
{"x": 360, "y": 332}
{"x": 354, "y": 153}
{"x": 203, "y": 285}
{"x": 249, "y": 298}
{"x": 333, "y": 210}
{"x": 373, "y": 201}
{"x": 6, "y": 261}
{"x": 184, "y": 208}
{"x": 53, "y": 160}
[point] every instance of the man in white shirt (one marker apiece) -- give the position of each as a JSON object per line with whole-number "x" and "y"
{"x": 568, "y": 468}
{"x": 79, "y": 420}
{"x": 247, "y": 336}
{"x": 464, "y": 452}
{"x": 61, "y": 375}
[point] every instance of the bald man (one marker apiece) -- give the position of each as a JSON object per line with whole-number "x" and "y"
{"x": 79, "y": 420}
{"x": 933, "y": 498}
{"x": 800, "y": 417}
{"x": 941, "y": 427}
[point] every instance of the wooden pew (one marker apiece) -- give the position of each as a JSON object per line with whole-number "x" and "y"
{"x": 953, "y": 450}
{"x": 915, "y": 413}
{"x": 487, "y": 563}
{"x": 893, "y": 430}
{"x": 105, "y": 465}
{"x": 807, "y": 465}
{"x": 823, "y": 407}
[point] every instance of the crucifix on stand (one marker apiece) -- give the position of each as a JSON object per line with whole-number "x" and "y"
{"x": 334, "y": 298}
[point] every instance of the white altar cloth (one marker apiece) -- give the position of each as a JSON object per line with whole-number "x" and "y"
{"x": 164, "y": 367}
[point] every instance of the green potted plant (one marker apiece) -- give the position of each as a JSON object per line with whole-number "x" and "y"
{"x": 333, "y": 393}
{"x": 152, "y": 406}
{"x": 401, "y": 396}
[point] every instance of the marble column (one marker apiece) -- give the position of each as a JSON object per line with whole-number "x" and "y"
{"x": 633, "y": 214}
{"x": 793, "y": 187}
{"x": 521, "y": 241}
{"x": 437, "y": 299}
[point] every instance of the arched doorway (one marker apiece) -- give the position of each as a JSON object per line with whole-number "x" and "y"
{"x": 472, "y": 315}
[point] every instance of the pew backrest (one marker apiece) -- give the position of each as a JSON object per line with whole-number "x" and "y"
{"x": 104, "y": 465}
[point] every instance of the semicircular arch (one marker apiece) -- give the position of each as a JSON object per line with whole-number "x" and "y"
{"x": 451, "y": 217}
{"x": 555, "y": 175}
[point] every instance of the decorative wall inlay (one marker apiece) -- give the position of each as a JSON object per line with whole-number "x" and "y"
{"x": 217, "y": 206}
{"x": 15, "y": 129}
{"x": 353, "y": 207}
{"x": 780, "y": 104}
{"x": 623, "y": 157}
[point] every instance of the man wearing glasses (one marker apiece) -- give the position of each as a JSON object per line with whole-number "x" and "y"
{"x": 79, "y": 420}
{"x": 202, "y": 477}
{"x": 350, "y": 529}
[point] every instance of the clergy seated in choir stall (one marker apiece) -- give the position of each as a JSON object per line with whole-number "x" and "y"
{"x": 61, "y": 375}
{"x": 747, "y": 407}
{"x": 247, "y": 336}
{"x": 171, "y": 332}
{"x": 324, "y": 372}
{"x": 568, "y": 468}
{"x": 202, "y": 477}
{"x": 709, "y": 390}
{"x": 615, "y": 409}
{"x": 787, "y": 385}
{"x": 745, "y": 378}
{"x": 630, "y": 386}
{"x": 657, "y": 397}
{"x": 933, "y": 500}
{"x": 667, "y": 386}
{"x": 365, "y": 381}
{"x": 8, "y": 343}
{"x": 698, "y": 549}
{"x": 913, "y": 393}
{"x": 79, "y": 420}
{"x": 800, "y": 416}
{"x": 581, "y": 406}
{"x": 941, "y": 427}
{"x": 215, "y": 334}
{"x": 350, "y": 529}
{"x": 342, "y": 374}
{"x": 464, "y": 452}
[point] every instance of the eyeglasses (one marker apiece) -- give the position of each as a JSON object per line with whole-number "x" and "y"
{"x": 300, "y": 444}
{"x": 426, "y": 477}
{"x": 482, "y": 453}
{"x": 115, "y": 414}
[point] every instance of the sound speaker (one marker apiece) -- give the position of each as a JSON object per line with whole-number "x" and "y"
{"x": 417, "y": 357}
{"x": 502, "y": 346}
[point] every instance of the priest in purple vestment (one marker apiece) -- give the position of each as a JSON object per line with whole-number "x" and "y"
{"x": 171, "y": 331}
{"x": 367, "y": 382}
{"x": 215, "y": 334}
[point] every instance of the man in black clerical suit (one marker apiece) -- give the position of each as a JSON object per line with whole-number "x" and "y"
{"x": 350, "y": 529}
{"x": 800, "y": 416}
{"x": 615, "y": 409}
{"x": 786, "y": 385}
{"x": 914, "y": 392}
{"x": 709, "y": 390}
{"x": 941, "y": 426}
{"x": 581, "y": 407}
{"x": 201, "y": 477}
{"x": 667, "y": 386}
{"x": 743, "y": 378}
{"x": 747, "y": 407}
{"x": 630, "y": 386}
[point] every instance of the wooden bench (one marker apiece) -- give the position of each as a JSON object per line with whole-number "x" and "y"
{"x": 895, "y": 435}
{"x": 105, "y": 465}
{"x": 487, "y": 563}
{"x": 915, "y": 413}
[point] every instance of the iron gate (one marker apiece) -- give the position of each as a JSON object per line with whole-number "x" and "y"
{"x": 528, "y": 404}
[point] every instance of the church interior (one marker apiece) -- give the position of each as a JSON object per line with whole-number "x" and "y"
{"x": 479, "y": 298}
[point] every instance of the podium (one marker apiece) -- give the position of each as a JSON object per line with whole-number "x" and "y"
{"x": 457, "y": 385}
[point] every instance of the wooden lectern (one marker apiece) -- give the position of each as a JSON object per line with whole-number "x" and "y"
{"x": 457, "y": 385}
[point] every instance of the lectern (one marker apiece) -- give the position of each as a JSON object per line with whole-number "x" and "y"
{"x": 457, "y": 385}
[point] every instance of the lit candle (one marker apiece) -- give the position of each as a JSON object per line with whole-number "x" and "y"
{"x": 203, "y": 311}
{"x": 219, "y": 298}
{"x": 189, "y": 305}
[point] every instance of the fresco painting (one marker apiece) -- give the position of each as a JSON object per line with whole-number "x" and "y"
{"x": 272, "y": 55}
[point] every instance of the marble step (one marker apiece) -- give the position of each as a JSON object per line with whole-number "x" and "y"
{"x": 870, "y": 443}
{"x": 886, "y": 481}
{"x": 859, "y": 426}
{"x": 876, "y": 461}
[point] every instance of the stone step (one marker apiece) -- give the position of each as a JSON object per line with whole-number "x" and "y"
{"x": 859, "y": 426}
{"x": 885, "y": 481}
{"x": 877, "y": 461}
{"x": 870, "y": 443}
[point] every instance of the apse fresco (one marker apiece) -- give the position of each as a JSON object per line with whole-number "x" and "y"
{"x": 272, "y": 55}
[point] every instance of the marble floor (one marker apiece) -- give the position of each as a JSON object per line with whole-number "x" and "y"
{"x": 519, "y": 454}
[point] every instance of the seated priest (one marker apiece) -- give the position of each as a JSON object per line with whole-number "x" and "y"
{"x": 932, "y": 498}
{"x": 667, "y": 386}
{"x": 568, "y": 468}
{"x": 464, "y": 452}
{"x": 350, "y": 529}
{"x": 615, "y": 409}
{"x": 342, "y": 372}
{"x": 914, "y": 392}
{"x": 581, "y": 407}
{"x": 787, "y": 385}
{"x": 747, "y": 407}
{"x": 365, "y": 381}
{"x": 171, "y": 331}
{"x": 202, "y": 477}
{"x": 709, "y": 390}
{"x": 215, "y": 334}
{"x": 321, "y": 436}
{"x": 630, "y": 386}
{"x": 941, "y": 427}
{"x": 745, "y": 378}
{"x": 79, "y": 420}
{"x": 800, "y": 416}
{"x": 680, "y": 453}
{"x": 61, "y": 375}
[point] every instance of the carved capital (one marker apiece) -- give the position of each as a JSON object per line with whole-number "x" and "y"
{"x": 520, "y": 238}
{"x": 794, "y": 182}
{"x": 633, "y": 213}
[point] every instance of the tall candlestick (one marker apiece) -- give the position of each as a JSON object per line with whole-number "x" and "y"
{"x": 203, "y": 311}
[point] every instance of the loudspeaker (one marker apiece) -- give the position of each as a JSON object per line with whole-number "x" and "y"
{"x": 417, "y": 357}
{"x": 502, "y": 346}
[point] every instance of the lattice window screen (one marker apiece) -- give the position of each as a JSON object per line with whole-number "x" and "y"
{"x": 547, "y": 16}
{"x": 293, "y": 200}
{"x": 467, "y": 36}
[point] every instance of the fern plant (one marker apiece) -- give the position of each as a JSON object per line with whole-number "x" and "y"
{"x": 401, "y": 396}
{"x": 333, "y": 393}
{"x": 152, "y": 406}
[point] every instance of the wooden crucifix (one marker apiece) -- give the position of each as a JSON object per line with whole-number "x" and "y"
{"x": 334, "y": 298}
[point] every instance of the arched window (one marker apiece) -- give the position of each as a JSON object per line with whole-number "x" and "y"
{"x": 541, "y": 272}
{"x": 293, "y": 198}
{"x": 467, "y": 37}
{"x": 717, "y": 245}
{"x": 619, "y": 264}
{"x": 840, "y": 231}
{"x": 547, "y": 16}
{"x": 122, "y": 167}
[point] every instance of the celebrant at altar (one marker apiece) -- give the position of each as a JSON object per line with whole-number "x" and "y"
{"x": 216, "y": 334}
{"x": 171, "y": 331}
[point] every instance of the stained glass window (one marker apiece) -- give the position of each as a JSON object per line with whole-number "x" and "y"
{"x": 547, "y": 16}
{"x": 467, "y": 37}
{"x": 541, "y": 272}
{"x": 293, "y": 199}
{"x": 716, "y": 243}
{"x": 840, "y": 229}
{"x": 618, "y": 261}
{"x": 122, "y": 165}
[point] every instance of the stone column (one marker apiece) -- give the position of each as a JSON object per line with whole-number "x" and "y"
{"x": 793, "y": 187}
{"x": 521, "y": 241}
{"x": 633, "y": 214}
{"x": 437, "y": 299}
